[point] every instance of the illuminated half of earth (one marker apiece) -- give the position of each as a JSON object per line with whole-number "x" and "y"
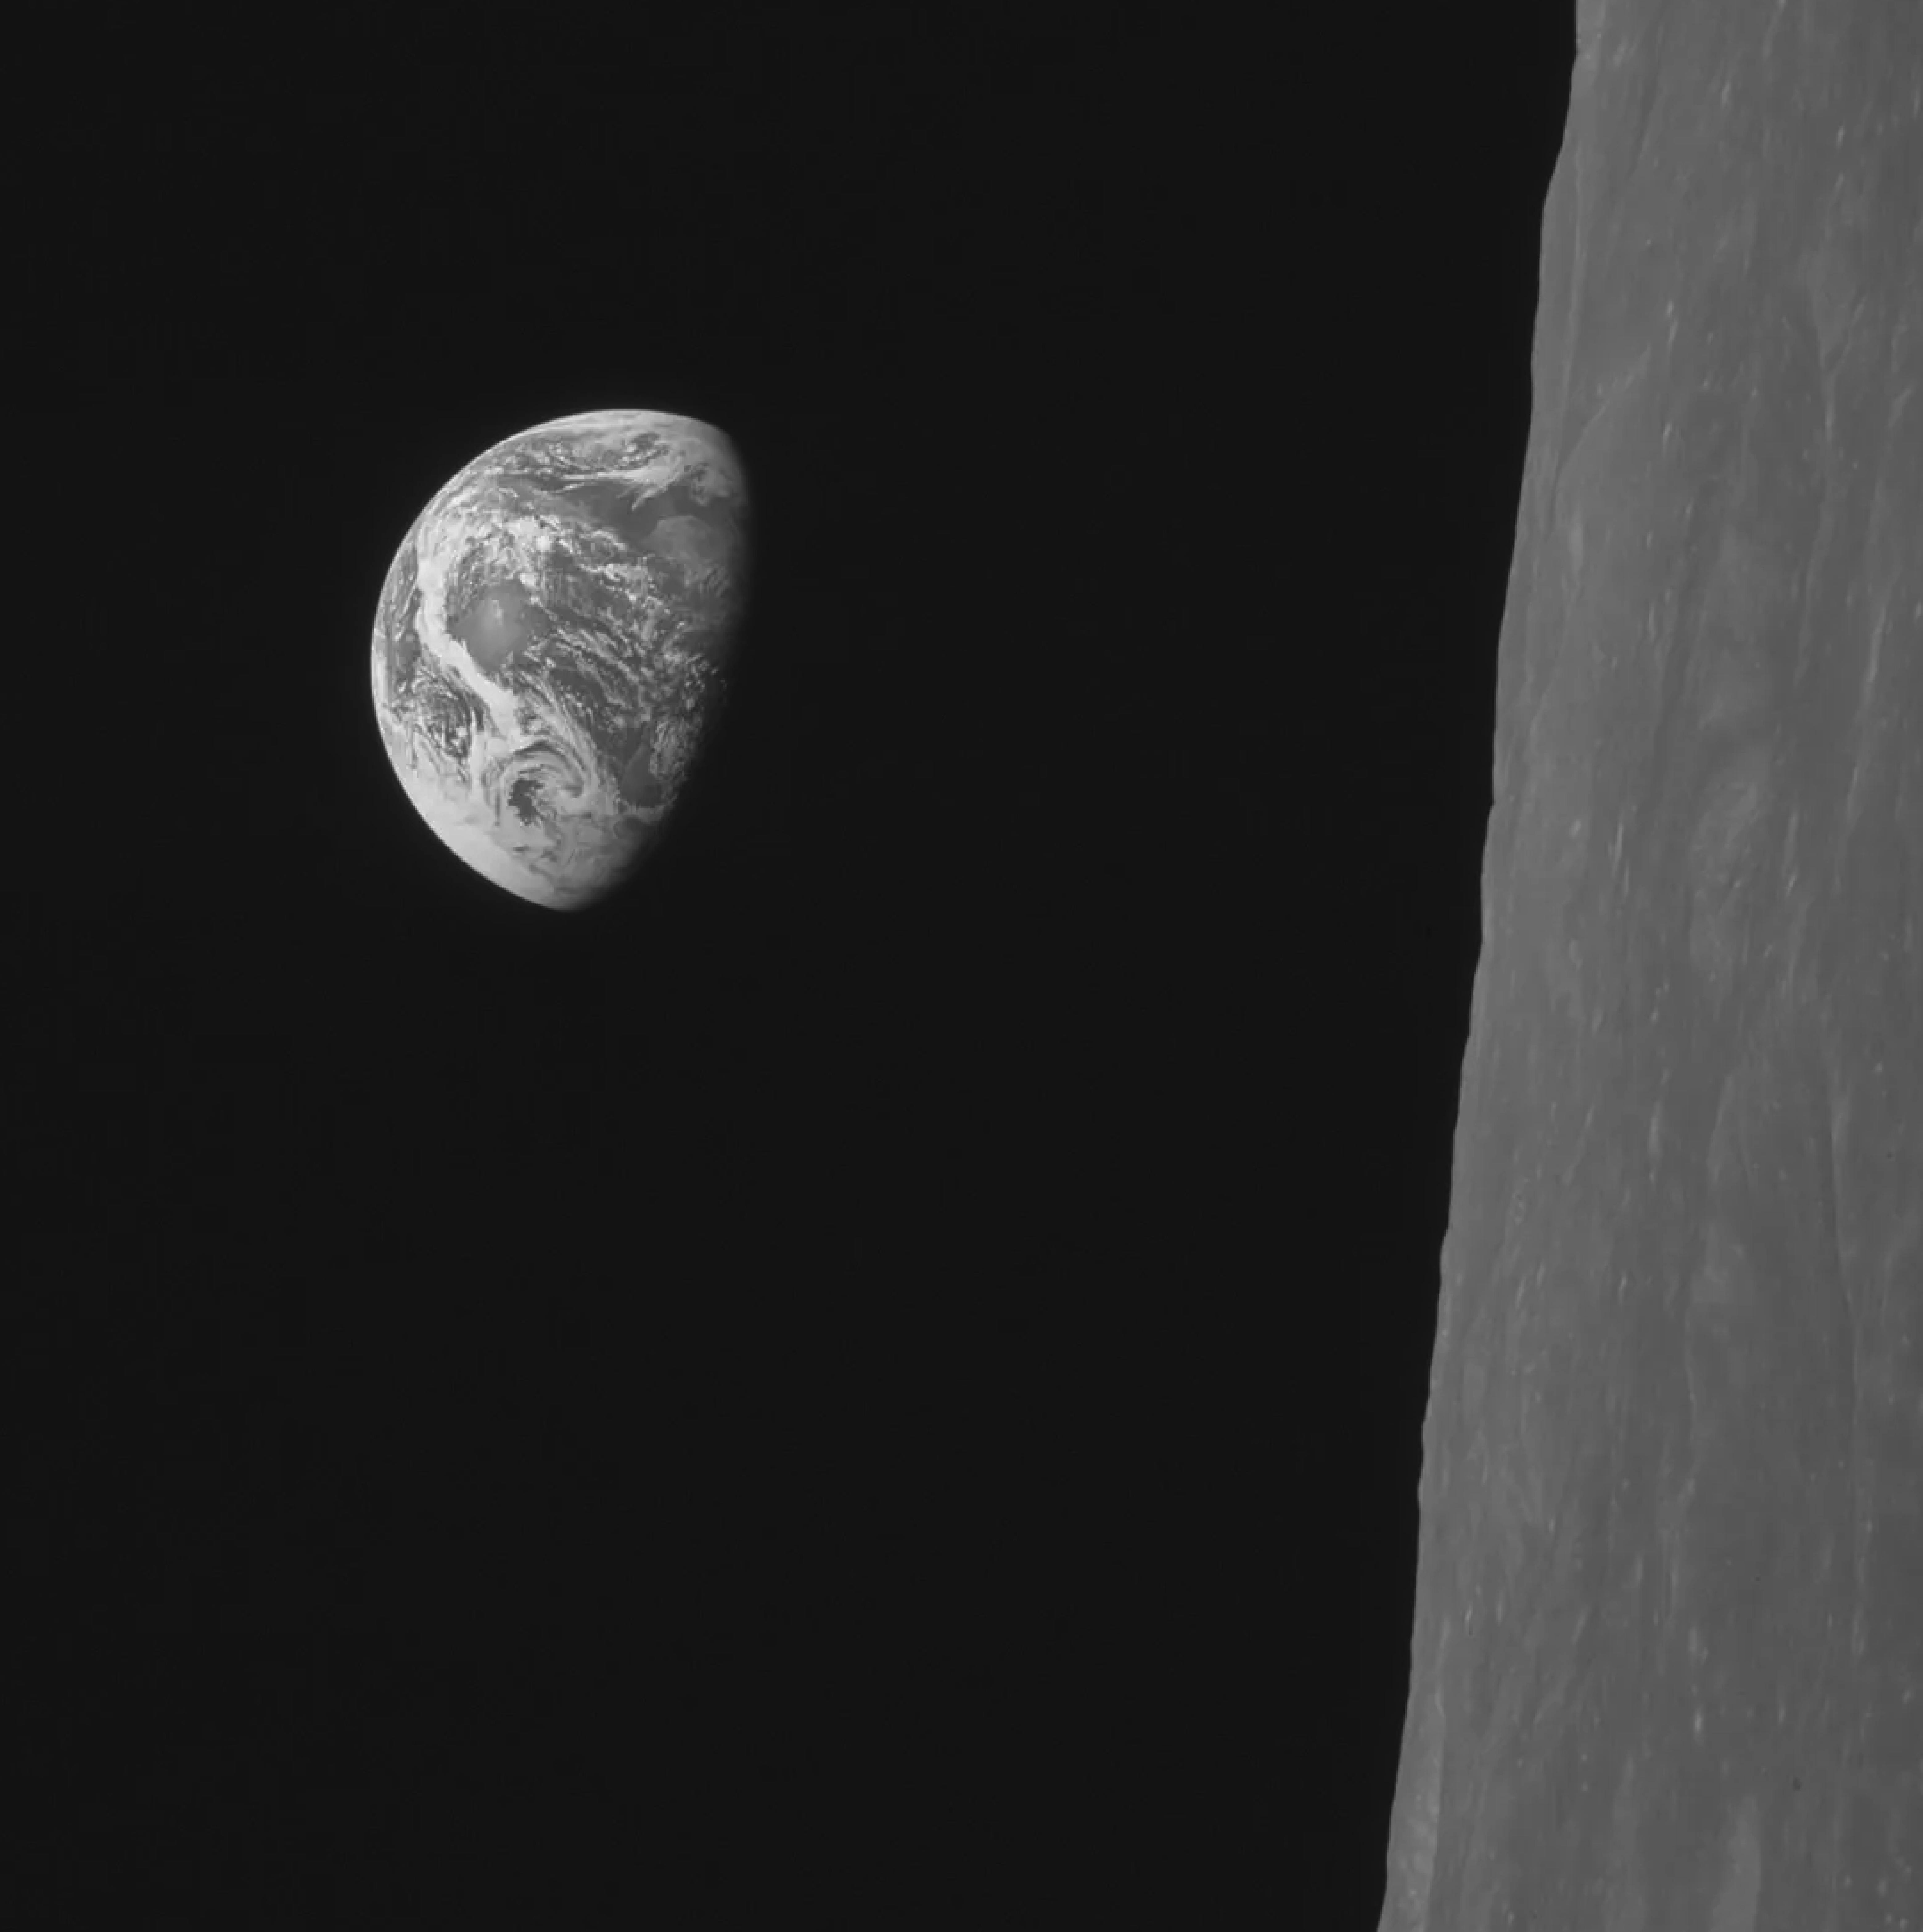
{"x": 552, "y": 644}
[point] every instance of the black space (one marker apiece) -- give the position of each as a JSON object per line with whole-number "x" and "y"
{"x": 877, "y": 1380}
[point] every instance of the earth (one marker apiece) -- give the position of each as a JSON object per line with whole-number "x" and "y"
{"x": 552, "y": 645}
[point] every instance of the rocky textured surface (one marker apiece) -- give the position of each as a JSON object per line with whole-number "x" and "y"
{"x": 550, "y": 644}
{"x": 1667, "y": 1658}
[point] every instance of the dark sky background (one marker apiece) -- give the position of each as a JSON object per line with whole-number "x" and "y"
{"x": 878, "y": 1377}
